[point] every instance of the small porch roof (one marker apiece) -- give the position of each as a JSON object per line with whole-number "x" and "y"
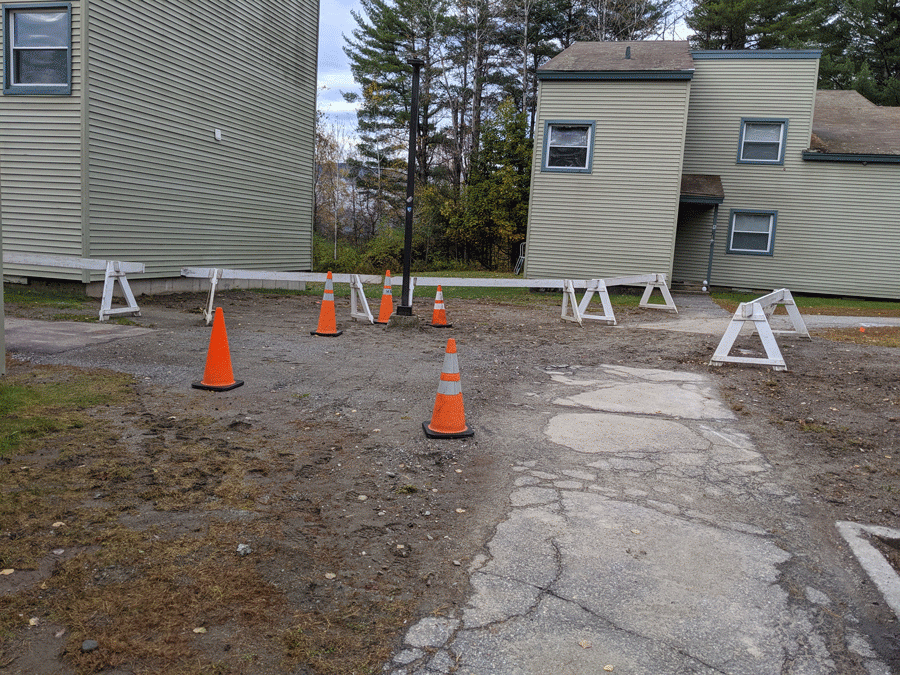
{"x": 699, "y": 188}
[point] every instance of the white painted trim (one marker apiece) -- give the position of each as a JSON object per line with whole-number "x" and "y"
{"x": 10, "y": 258}
{"x": 599, "y": 287}
{"x": 358, "y": 295}
{"x": 879, "y": 570}
{"x": 569, "y": 297}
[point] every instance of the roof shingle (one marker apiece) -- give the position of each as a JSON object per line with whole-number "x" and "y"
{"x": 643, "y": 56}
{"x": 845, "y": 122}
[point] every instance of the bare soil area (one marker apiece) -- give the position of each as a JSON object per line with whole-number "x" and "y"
{"x": 298, "y": 523}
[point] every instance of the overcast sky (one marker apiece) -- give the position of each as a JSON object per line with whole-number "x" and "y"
{"x": 334, "y": 70}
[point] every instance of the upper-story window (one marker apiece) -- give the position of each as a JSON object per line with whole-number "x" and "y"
{"x": 568, "y": 146}
{"x": 762, "y": 141}
{"x": 37, "y": 49}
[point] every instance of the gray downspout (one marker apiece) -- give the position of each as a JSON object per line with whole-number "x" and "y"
{"x": 707, "y": 283}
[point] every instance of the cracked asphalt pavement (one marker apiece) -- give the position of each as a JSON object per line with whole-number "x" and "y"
{"x": 644, "y": 540}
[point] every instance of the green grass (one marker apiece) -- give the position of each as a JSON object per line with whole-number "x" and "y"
{"x": 810, "y": 304}
{"x": 18, "y": 406}
{"x": 44, "y": 402}
{"x": 61, "y": 297}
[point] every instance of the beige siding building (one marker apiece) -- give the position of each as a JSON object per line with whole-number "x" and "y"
{"x": 781, "y": 185}
{"x": 598, "y": 170}
{"x": 173, "y": 134}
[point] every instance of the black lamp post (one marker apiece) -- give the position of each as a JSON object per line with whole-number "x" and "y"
{"x": 405, "y": 306}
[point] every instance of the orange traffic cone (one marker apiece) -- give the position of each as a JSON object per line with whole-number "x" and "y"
{"x": 327, "y": 321}
{"x": 449, "y": 418}
{"x": 218, "y": 375}
{"x": 387, "y": 301}
{"x": 439, "y": 316}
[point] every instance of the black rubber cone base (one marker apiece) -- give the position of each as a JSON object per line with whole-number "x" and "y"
{"x": 217, "y": 387}
{"x": 441, "y": 325}
{"x": 465, "y": 433}
{"x": 313, "y": 332}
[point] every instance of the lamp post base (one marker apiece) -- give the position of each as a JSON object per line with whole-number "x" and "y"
{"x": 403, "y": 321}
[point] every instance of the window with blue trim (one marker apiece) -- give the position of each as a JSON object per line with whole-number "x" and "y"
{"x": 568, "y": 146}
{"x": 762, "y": 141}
{"x": 37, "y": 49}
{"x": 752, "y": 232}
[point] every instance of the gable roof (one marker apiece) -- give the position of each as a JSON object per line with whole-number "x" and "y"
{"x": 643, "y": 59}
{"x": 847, "y": 123}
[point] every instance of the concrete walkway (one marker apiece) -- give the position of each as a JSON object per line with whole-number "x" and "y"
{"x": 697, "y": 313}
{"x": 638, "y": 544}
{"x": 54, "y": 337}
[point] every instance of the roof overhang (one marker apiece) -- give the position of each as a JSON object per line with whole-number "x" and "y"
{"x": 813, "y": 156}
{"x": 701, "y": 189}
{"x": 716, "y": 54}
{"x": 643, "y": 75}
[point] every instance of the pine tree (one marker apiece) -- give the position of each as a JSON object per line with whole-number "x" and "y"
{"x": 495, "y": 210}
{"x": 721, "y": 24}
{"x": 757, "y": 24}
{"x": 862, "y": 50}
{"x": 388, "y": 33}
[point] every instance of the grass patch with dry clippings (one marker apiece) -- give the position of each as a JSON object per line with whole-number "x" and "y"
{"x": 353, "y": 641}
{"x": 871, "y": 336}
{"x": 45, "y": 400}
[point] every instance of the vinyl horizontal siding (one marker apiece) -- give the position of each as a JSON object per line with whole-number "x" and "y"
{"x": 164, "y": 76}
{"x": 619, "y": 218}
{"x": 40, "y": 170}
{"x": 838, "y": 224}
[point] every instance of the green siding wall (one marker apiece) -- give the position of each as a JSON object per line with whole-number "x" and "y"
{"x": 620, "y": 218}
{"x": 163, "y": 77}
{"x": 40, "y": 170}
{"x": 838, "y": 223}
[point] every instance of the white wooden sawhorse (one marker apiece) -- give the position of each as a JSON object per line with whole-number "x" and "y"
{"x": 359, "y": 306}
{"x": 568, "y": 287}
{"x": 756, "y": 313}
{"x": 115, "y": 271}
{"x": 600, "y": 287}
{"x": 215, "y": 274}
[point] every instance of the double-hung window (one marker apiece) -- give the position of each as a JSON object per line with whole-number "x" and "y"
{"x": 762, "y": 141}
{"x": 37, "y": 49}
{"x": 752, "y": 232}
{"x": 568, "y": 146}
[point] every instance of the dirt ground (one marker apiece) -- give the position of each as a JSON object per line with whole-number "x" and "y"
{"x": 356, "y": 523}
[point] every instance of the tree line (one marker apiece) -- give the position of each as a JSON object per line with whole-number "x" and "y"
{"x": 478, "y": 93}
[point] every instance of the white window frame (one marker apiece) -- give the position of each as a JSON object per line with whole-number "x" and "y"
{"x": 11, "y": 51}
{"x": 743, "y": 142}
{"x": 770, "y": 243}
{"x": 589, "y": 156}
